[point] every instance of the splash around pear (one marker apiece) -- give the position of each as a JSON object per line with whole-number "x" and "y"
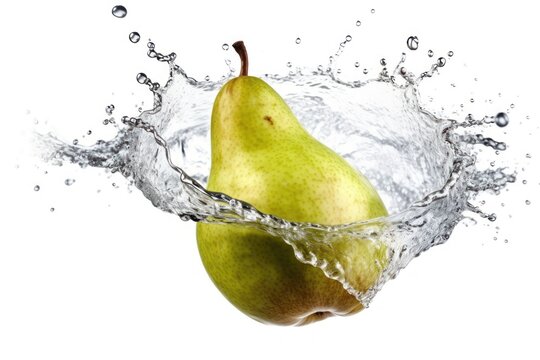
{"x": 262, "y": 155}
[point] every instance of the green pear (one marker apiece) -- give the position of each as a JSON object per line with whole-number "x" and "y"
{"x": 262, "y": 155}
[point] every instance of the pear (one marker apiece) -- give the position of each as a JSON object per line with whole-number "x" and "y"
{"x": 262, "y": 155}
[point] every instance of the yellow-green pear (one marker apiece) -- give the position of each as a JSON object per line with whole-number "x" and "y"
{"x": 262, "y": 155}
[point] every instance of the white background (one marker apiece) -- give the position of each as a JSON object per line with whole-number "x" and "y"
{"x": 107, "y": 276}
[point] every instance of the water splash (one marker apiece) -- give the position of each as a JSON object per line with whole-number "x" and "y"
{"x": 423, "y": 166}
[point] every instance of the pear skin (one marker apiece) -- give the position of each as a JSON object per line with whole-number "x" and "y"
{"x": 262, "y": 155}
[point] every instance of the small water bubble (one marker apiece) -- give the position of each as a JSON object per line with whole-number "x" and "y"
{"x": 450, "y": 53}
{"x": 412, "y": 42}
{"x": 383, "y": 62}
{"x": 51, "y": 209}
{"x": 430, "y": 53}
{"x": 207, "y": 78}
{"x": 373, "y": 11}
{"x": 495, "y": 238}
{"x": 365, "y": 71}
{"x": 492, "y": 163}
{"x": 106, "y": 122}
{"x": 225, "y": 47}
{"x": 501, "y": 119}
{"x": 89, "y": 132}
{"x": 289, "y": 64}
{"x": 151, "y": 45}
{"x": 471, "y": 100}
{"x": 142, "y": 78}
{"x": 492, "y": 217}
{"x": 441, "y": 61}
{"x": 403, "y": 70}
{"x": 356, "y": 64}
{"x": 298, "y": 40}
{"x": 134, "y": 37}
{"x": 512, "y": 106}
{"x": 119, "y": 11}
{"x": 69, "y": 182}
{"x": 348, "y": 38}
{"x": 36, "y": 188}
{"x": 527, "y": 202}
{"x": 524, "y": 182}
{"x": 109, "y": 109}
{"x": 528, "y": 156}
{"x": 75, "y": 141}
{"x": 358, "y": 23}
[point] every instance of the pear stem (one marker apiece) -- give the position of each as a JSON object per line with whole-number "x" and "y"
{"x": 241, "y": 50}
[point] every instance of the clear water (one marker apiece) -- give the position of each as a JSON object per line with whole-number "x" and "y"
{"x": 424, "y": 166}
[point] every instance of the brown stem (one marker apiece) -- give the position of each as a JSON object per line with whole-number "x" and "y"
{"x": 241, "y": 50}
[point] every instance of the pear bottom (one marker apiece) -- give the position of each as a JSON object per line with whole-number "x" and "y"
{"x": 259, "y": 274}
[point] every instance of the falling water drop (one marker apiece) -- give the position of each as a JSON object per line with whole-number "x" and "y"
{"x": 430, "y": 53}
{"x": 36, "y": 188}
{"x": 383, "y": 62}
{"x": 501, "y": 119}
{"x": 298, "y": 40}
{"x": 365, "y": 71}
{"x": 289, "y": 64}
{"x": 356, "y": 64}
{"x": 348, "y": 38}
{"x": 51, "y": 209}
{"x": 109, "y": 109}
{"x": 134, "y": 37}
{"x": 69, "y": 182}
{"x": 358, "y": 23}
{"x": 373, "y": 11}
{"x": 142, "y": 78}
{"x": 412, "y": 42}
{"x": 225, "y": 47}
{"x": 119, "y": 11}
{"x": 450, "y": 53}
{"x": 75, "y": 141}
{"x": 441, "y": 62}
{"x": 527, "y": 202}
{"x": 89, "y": 132}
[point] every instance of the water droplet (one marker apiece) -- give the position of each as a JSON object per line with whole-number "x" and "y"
{"x": 142, "y": 78}
{"x": 512, "y": 106}
{"x": 69, "y": 182}
{"x": 106, "y": 122}
{"x": 207, "y": 78}
{"x": 358, "y": 23}
{"x": 403, "y": 70}
{"x": 225, "y": 47}
{"x": 348, "y": 38}
{"x": 524, "y": 182}
{"x": 89, "y": 132}
{"x": 441, "y": 62}
{"x": 119, "y": 11}
{"x": 356, "y": 64}
{"x": 289, "y": 64}
{"x": 151, "y": 45}
{"x": 412, "y": 42}
{"x": 527, "y": 202}
{"x": 506, "y": 241}
{"x": 134, "y": 37}
{"x": 373, "y": 11}
{"x": 51, "y": 209}
{"x": 430, "y": 53}
{"x": 36, "y": 188}
{"x": 298, "y": 40}
{"x": 495, "y": 238}
{"x": 383, "y": 62}
{"x": 365, "y": 71}
{"x": 528, "y": 156}
{"x": 501, "y": 119}
{"x": 75, "y": 141}
{"x": 450, "y": 53}
{"x": 109, "y": 109}
{"x": 471, "y": 100}
{"x": 492, "y": 163}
